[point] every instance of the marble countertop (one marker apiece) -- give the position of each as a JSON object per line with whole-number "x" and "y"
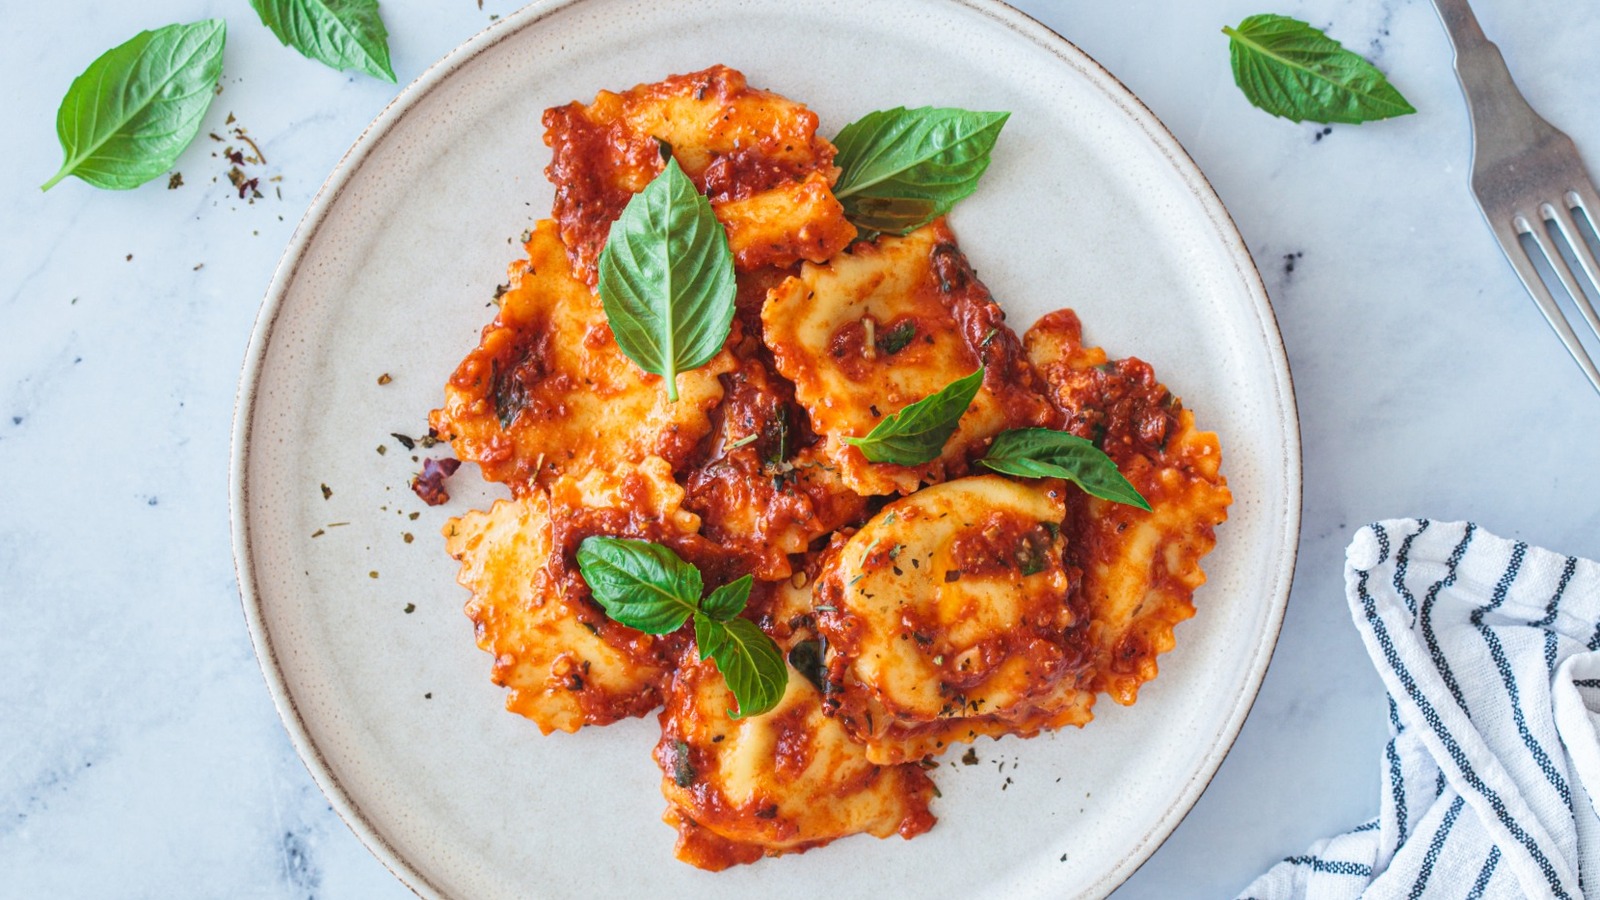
{"x": 139, "y": 752}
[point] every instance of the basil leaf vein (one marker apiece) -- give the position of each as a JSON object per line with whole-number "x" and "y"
{"x": 666, "y": 279}
{"x": 1292, "y": 70}
{"x": 1046, "y": 453}
{"x": 642, "y": 585}
{"x": 902, "y": 168}
{"x": 917, "y": 433}
{"x": 341, "y": 34}
{"x": 132, "y": 112}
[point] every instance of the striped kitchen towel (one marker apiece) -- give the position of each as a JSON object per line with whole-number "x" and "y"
{"x": 1490, "y": 652}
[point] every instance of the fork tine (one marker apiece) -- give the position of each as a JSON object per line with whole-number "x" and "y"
{"x": 1523, "y": 263}
{"x": 1562, "y": 216}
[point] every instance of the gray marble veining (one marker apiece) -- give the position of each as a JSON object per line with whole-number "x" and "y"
{"x": 139, "y": 753}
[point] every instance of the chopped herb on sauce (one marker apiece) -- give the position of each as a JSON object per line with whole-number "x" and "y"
{"x": 895, "y": 339}
{"x": 510, "y": 394}
{"x": 682, "y": 771}
{"x": 807, "y": 659}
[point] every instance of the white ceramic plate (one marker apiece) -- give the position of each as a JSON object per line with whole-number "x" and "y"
{"x": 1090, "y": 203}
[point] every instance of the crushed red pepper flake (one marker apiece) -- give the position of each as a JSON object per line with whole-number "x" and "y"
{"x": 429, "y": 483}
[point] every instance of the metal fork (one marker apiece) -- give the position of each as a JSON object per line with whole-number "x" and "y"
{"x": 1526, "y": 173}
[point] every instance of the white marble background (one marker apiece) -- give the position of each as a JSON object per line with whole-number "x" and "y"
{"x": 139, "y": 753}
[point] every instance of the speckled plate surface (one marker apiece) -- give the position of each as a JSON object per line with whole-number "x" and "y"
{"x": 1090, "y": 203}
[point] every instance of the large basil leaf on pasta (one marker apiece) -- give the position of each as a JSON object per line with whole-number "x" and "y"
{"x": 666, "y": 279}
{"x": 341, "y": 34}
{"x": 916, "y": 434}
{"x": 1290, "y": 69}
{"x": 749, "y": 661}
{"x": 1045, "y": 453}
{"x": 642, "y": 585}
{"x": 127, "y": 118}
{"x": 902, "y": 168}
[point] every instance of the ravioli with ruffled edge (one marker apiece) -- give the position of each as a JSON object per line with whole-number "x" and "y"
{"x": 921, "y": 606}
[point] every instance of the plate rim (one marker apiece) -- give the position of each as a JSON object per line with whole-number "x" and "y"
{"x": 1008, "y": 16}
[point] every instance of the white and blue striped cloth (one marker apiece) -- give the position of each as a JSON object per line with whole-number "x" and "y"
{"x": 1490, "y": 651}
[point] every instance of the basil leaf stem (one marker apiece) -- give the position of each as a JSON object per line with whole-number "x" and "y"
{"x": 129, "y": 116}
{"x": 341, "y": 34}
{"x": 666, "y": 278}
{"x": 917, "y": 433}
{"x": 902, "y": 168}
{"x": 1045, "y": 453}
{"x": 1292, "y": 70}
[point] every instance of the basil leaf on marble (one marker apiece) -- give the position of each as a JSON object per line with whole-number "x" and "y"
{"x": 902, "y": 168}
{"x": 748, "y": 659}
{"x": 666, "y": 279}
{"x": 916, "y": 434}
{"x": 129, "y": 116}
{"x": 642, "y": 585}
{"x": 342, "y": 34}
{"x": 1292, "y": 70}
{"x": 1045, "y": 453}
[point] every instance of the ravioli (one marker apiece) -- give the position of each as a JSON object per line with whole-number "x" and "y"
{"x": 758, "y": 492}
{"x": 782, "y": 782}
{"x": 917, "y": 607}
{"x": 1140, "y": 570}
{"x": 757, "y": 157}
{"x": 948, "y": 615}
{"x": 566, "y": 664}
{"x": 885, "y": 325}
{"x": 547, "y": 392}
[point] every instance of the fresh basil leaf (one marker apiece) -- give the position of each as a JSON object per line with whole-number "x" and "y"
{"x": 916, "y": 434}
{"x": 1290, "y": 69}
{"x": 1044, "y": 453}
{"x": 902, "y": 168}
{"x": 748, "y": 659}
{"x": 642, "y": 585}
{"x": 342, "y": 34}
{"x": 727, "y": 601}
{"x": 666, "y": 278}
{"x": 127, "y": 118}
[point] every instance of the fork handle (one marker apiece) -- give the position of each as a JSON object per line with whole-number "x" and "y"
{"x": 1499, "y": 111}
{"x": 1465, "y": 32}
